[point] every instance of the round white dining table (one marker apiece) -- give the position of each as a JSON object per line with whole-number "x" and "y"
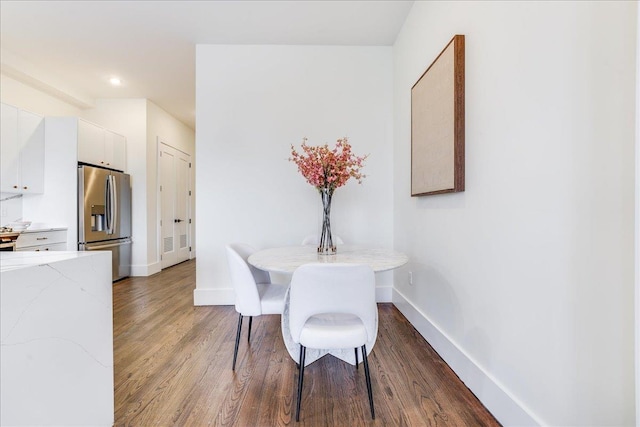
{"x": 287, "y": 259}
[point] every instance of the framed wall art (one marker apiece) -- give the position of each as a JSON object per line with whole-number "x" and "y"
{"x": 437, "y": 124}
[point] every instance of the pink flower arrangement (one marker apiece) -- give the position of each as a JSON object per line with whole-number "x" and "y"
{"x": 328, "y": 169}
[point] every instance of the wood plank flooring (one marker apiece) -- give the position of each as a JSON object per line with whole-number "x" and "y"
{"x": 173, "y": 368}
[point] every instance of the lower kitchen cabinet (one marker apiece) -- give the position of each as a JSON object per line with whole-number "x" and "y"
{"x": 45, "y": 240}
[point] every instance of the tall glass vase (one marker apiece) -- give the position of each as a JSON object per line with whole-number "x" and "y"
{"x": 325, "y": 243}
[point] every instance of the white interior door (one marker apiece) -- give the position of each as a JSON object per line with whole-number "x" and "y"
{"x": 175, "y": 214}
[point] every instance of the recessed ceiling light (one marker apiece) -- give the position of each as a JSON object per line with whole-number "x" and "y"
{"x": 115, "y": 81}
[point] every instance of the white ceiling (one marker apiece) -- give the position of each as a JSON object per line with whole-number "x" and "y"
{"x": 74, "y": 47}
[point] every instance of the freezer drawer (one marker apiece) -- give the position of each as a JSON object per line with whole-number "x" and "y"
{"x": 120, "y": 256}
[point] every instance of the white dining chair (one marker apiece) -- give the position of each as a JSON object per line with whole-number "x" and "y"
{"x": 333, "y": 306}
{"x": 255, "y": 294}
{"x": 312, "y": 240}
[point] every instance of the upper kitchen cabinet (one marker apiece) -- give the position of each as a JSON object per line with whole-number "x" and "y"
{"x": 101, "y": 147}
{"x": 22, "y": 151}
{"x": 115, "y": 149}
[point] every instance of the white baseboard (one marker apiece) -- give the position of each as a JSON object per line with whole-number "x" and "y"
{"x": 502, "y": 405}
{"x": 225, "y": 296}
{"x": 145, "y": 270}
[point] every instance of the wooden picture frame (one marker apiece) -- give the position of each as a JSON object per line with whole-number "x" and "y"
{"x": 437, "y": 124}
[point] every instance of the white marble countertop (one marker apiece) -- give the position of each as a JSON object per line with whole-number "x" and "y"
{"x": 14, "y": 260}
{"x": 287, "y": 259}
{"x": 37, "y": 227}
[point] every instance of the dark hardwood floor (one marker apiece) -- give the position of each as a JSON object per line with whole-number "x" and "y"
{"x": 173, "y": 368}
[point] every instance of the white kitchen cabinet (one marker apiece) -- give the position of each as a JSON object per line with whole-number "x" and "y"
{"x": 115, "y": 149}
{"x": 22, "y": 151}
{"x": 101, "y": 147}
{"x": 44, "y": 240}
{"x": 90, "y": 143}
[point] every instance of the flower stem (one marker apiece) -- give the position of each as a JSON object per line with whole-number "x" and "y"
{"x": 325, "y": 245}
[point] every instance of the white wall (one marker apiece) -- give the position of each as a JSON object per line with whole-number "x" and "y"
{"x": 253, "y": 102}
{"x": 10, "y": 208}
{"x": 524, "y": 282}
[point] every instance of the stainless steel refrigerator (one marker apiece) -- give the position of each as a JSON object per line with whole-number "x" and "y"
{"x": 104, "y": 216}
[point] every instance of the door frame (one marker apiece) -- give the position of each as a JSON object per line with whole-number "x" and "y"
{"x": 159, "y": 142}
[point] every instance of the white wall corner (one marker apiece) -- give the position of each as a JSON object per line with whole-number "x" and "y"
{"x": 502, "y": 405}
{"x": 210, "y": 296}
{"x": 384, "y": 293}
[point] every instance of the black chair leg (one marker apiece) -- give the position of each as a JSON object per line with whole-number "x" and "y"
{"x": 303, "y": 351}
{"x": 249, "y": 336}
{"x": 235, "y": 351}
{"x": 368, "y": 377}
{"x": 356, "y": 350}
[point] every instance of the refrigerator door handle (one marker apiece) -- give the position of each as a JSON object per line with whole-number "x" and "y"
{"x": 114, "y": 203}
{"x": 107, "y": 211}
{"x": 111, "y": 204}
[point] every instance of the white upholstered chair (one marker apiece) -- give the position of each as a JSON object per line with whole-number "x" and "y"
{"x": 333, "y": 306}
{"x": 313, "y": 239}
{"x": 255, "y": 294}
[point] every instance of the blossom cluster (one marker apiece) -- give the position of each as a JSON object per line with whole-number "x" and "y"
{"x": 326, "y": 168}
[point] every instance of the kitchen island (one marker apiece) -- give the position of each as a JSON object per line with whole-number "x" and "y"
{"x": 56, "y": 344}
